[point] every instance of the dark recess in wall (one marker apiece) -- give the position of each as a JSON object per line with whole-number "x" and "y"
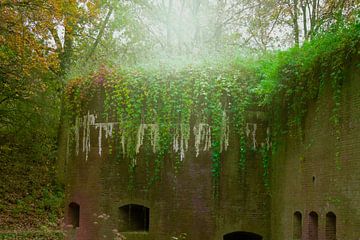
{"x": 134, "y": 218}
{"x": 242, "y": 236}
{"x": 297, "y": 226}
{"x": 330, "y": 228}
{"x": 74, "y": 214}
{"x": 313, "y": 226}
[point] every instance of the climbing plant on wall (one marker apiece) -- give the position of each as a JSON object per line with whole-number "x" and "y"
{"x": 165, "y": 107}
{"x": 290, "y": 80}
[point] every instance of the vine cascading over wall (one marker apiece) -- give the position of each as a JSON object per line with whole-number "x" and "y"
{"x": 163, "y": 110}
{"x": 176, "y": 101}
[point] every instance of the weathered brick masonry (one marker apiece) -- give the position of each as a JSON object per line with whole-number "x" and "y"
{"x": 314, "y": 194}
{"x": 321, "y": 175}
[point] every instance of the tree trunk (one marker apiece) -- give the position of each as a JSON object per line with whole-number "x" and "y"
{"x": 63, "y": 130}
{"x": 295, "y": 23}
{"x": 303, "y": 9}
{"x": 63, "y": 135}
{"x": 66, "y": 56}
{"x": 101, "y": 33}
{"x": 313, "y": 17}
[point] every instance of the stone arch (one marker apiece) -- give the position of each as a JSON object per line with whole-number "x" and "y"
{"x": 313, "y": 226}
{"x": 74, "y": 215}
{"x": 297, "y": 225}
{"x": 330, "y": 227}
{"x": 134, "y": 218}
{"x": 240, "y": 235}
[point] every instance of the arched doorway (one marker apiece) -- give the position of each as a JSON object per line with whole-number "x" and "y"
{"x": 330, "y": 227}
{"x": 134, "y": 218}
{"x": 74, "y": 215}
{"x": 313, "y": 226}
{"x": 242, "y": 236}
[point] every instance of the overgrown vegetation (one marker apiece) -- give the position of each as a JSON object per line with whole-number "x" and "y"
{"x": 168, "y": 102}
{"x": 29, "y": 198}
{"x": 291, "y": 79}
{"x": 45, "y": 43}
{"x": 163, "y": 107}
{"x": 43, "y": 234}
{"x": 34, "y": 57}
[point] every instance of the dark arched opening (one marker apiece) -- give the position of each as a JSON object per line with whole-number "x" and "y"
{"x": 330, "y": 228}
{"x": 313, "y": 226}
{"x": 134, "y": 218}
{"x": 242, "y": 236}
{"x": 297, "y": 226}
{"x": 74, "y": 215}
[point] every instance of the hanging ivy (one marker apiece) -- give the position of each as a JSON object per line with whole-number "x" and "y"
{"x": 166, "y": 108}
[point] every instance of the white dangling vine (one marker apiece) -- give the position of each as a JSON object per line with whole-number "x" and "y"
{"x": 77, "y": 134}
{"x": 84, "y": 132}
{"x": 99, "y": 125}
{"x": 247, "y": 130}
{"x": 89, "y": 119}
{"x": 184, "y": 140}
{"x": 254, "y": 135}
{"x": 108, "y": 127}
{"x": 154, "y": 136}
{"x": 181, "y": 135}
{"x": 176, "y": 141}
{"x": 140, "y": 137}
{"x": 224, "y": 140}
{"x": 202, "y": 134}
{"x": 123, "y": 143}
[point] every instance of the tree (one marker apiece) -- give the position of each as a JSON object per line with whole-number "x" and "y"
{"x": 39, "y": 43}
